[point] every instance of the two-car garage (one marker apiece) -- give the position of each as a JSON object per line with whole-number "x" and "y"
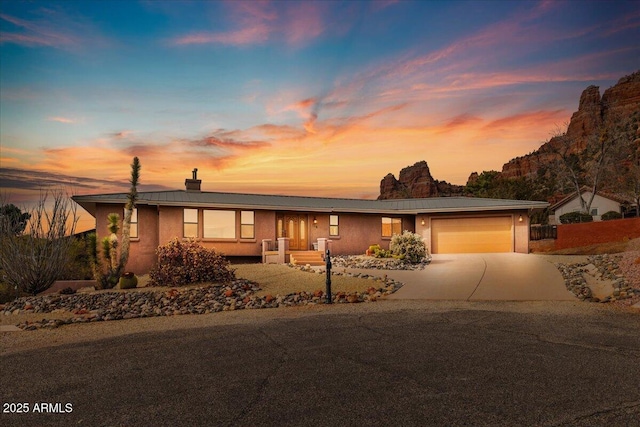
{"x": 472, "y": 235}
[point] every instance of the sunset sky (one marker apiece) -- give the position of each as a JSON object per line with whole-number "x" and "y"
{"x": 309, "y": 98}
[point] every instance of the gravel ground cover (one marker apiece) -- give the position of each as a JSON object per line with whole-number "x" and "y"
{"x": 278, "y": 286}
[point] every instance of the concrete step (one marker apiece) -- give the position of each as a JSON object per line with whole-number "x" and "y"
{"x": 307, "y": 257}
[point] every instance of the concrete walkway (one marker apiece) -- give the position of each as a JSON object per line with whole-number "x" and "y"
{"x": 482, "y": 277}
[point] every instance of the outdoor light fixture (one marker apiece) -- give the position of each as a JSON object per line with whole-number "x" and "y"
{"x": 422, "y": 222}
{"x": 315, "y": 221}
{"x": 520, "y": 219}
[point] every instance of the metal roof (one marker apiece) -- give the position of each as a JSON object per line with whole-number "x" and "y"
{"x": 312, "y": 204}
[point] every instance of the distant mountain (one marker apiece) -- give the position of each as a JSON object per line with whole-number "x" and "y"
{"x": 535, "y": 175}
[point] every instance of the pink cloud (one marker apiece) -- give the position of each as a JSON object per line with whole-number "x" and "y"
{"x": 245, "y": 36}
{"x": 60, "y": 119}
{"x": 52, "y": 28}
{"x": 294, "y": 23}
{"x": 305, "y": 23}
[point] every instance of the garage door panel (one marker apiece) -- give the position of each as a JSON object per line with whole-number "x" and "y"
{"x": 472, "y": 235}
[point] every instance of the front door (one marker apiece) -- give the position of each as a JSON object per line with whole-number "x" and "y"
{"x": 293, "y": 226}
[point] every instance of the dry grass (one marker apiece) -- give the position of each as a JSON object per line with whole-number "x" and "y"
{"x": 276, "y": 279}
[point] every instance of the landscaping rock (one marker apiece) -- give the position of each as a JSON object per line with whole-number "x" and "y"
{"x": 114, "y": 305}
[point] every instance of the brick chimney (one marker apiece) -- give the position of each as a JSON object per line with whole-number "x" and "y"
{"x": 193, "y": 184}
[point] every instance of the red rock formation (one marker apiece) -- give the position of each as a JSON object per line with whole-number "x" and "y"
{"x": 593, "y": 111}
{"x": 415, "y": 182}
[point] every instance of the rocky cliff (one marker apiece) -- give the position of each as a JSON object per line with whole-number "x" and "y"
{"x": 416, "y": 182}
{"x": 620, "y": 100}
{"x": 593, "y": 110}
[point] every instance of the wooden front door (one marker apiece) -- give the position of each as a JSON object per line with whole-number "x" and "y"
{"x": 294, "y": 226}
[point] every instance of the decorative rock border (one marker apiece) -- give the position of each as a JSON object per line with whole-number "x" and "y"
{"x": 602, "y": 267}
{"x": 237, "y": 295}
{"x": 358, "y": 261}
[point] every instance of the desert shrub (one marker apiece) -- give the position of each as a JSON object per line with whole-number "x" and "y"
{"x": 575, "y": 217}
{"x": 8, "y": 292}
{"x": 33, "y": 260}
{"x": 184, "y": 262}
{"x": 78, "y": 265}
{"x": 611, "y": 215}
{"x": 381, "y": 253}
{"x": 408, "y": 246}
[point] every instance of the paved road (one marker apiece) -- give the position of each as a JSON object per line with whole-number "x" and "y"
{"x": 386, "y": 363}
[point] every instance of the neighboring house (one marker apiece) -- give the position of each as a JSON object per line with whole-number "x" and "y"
{"x": 602, "y": 203}
{"x": 238, "y": 224}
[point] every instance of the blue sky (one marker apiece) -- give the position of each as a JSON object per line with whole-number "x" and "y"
{"x": 320, "y": 98}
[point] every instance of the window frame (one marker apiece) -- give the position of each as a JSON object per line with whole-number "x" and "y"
{"x": 134, "y": 215}
{"x": 185, "y": 223}
{"x": 392, "y": 221}
{"x": 336, "y": 225}
{"x": 252, "y": 224}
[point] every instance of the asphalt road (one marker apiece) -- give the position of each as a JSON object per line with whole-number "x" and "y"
{"x": 397, "y": 366}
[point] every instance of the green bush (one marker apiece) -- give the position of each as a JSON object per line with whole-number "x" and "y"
{"x": 575, "y": 218}
{"x": 8, "y": 293}
{"x": 611, "y": 215}
{"x": 408, "y": 246}
{"x": 185, "y": 262}
{"x": 78, "y": 266}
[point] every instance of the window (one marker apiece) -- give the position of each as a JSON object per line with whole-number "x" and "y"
{"x": 333, "y": 225}
{"x": 190, "y": 223}
{"x": 391, "y": 226}
{"x": 594, "y": 212}
{"x": 219, "y": 224}
{"x": 247, "y": 225}
{"x": 133, "y": 232}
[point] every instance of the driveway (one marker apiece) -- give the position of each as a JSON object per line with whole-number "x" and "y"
{"x": 483, "y": 277}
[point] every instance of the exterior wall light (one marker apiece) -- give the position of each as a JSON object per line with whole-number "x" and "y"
{"x": 520, "y": 219}
{"x": 315, "y": 222}
{"x": 422, "y": 222}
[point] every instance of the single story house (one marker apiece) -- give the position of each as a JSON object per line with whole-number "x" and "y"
{"x": 250, "y": 224}
{"x": 602, "y": 203}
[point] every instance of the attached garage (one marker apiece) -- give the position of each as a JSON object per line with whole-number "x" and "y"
{"x": 472, "y": 235}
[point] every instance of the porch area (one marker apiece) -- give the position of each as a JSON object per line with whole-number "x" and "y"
{"x": 279, "y": 252}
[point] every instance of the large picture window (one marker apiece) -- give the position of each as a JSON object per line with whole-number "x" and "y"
{"x": 391, "y": 226}
{"x": 247, "y": 225}
{"x": 334, "y": 229}
{"x": 219, "y": 224}
{"x": 190, "y": 223}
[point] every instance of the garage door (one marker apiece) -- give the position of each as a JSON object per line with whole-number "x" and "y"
{"x": 471, "y": 235}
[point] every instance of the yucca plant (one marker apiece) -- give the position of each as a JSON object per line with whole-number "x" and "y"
{"x": 115, "y": 255}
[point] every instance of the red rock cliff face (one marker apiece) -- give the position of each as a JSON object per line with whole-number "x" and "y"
{"x": 593, "y": 110}
{"x": 415, "y": 182}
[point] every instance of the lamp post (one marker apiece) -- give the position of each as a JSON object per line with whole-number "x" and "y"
{"x": 329, "y": 300}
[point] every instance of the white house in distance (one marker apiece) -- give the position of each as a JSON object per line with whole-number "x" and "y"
{"x": 601, "y": 204}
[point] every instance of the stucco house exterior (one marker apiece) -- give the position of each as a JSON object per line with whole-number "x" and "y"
{"x": 602, "y": 203}
{"x": 251, "y": 224}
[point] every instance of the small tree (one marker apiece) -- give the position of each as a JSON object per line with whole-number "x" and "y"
{"x": 17, "y": 220}
{"x": 33, "y": 261}
{"x": 109, "y": 275}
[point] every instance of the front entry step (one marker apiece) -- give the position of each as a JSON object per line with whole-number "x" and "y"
{"x": 306, "y": 258}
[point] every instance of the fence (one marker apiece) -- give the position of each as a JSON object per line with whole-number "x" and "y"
{"x": 541, "y": 232}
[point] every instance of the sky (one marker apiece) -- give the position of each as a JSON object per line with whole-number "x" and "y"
{"x": 318, "y": 98}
